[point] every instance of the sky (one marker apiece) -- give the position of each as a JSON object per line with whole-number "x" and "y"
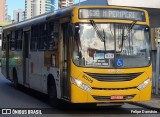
{"x": 15, "y": 4}
{"x": 20, "y": 4}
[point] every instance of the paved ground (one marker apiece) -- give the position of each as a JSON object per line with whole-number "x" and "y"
{"x": 154, "y": 103}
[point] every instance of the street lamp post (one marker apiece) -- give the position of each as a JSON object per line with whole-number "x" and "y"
{"x": 24, "y": 15}
{"x": 18, "y": 17}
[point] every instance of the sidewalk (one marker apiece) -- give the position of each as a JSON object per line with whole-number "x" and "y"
{"x": 154, "y": 103}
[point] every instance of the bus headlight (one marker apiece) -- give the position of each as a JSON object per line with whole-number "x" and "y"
{"x": 144, "y": 84}
{"x": 81, "y": 84}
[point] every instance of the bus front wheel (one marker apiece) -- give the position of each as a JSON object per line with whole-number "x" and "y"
{"x": 52, "y": 93}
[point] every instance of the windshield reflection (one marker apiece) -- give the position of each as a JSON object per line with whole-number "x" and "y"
{"x": 131, "y": 46}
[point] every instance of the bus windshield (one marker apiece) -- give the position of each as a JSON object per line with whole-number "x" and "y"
{"x": 111, "y": 45}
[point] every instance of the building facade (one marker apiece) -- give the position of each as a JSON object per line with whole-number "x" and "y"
{"x": 28, "y": 9}
{"x": 38, "y": 7}
{"x": 3, "y": 11}
{"x": 18, "y": 15}
{"x": 157, "y": 34}
{"x": 65, "y": 3}
{"x": 50, "y": 5}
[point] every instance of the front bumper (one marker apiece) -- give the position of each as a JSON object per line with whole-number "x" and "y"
{"x": 95, "y": 96}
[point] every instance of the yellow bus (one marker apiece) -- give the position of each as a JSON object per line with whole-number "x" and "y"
{"x": 82, "y": 54}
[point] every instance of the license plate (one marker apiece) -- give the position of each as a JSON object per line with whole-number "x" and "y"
{"x": 116, "y": 97}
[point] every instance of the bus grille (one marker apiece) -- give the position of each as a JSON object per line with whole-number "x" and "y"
{"x": 105, "y": 98}
{"x": 113, "y": 77}
{"x": 128, "y": 88}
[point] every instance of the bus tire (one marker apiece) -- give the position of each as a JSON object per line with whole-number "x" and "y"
{"x": 15, "y": 79}
{"x": 52, "y": 93}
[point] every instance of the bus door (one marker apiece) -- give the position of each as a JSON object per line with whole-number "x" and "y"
{"x": 65, "y": 62}
{"x": 25, "y": 53}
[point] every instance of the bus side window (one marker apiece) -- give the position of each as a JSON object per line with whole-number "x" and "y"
{"x": 19, "y": 40}
{"x": 16, "y": 37}
{"x": 13, "y": 41}
{"x": 42, "y": 41}
{"x": 33, "y": 42}
{"x": 50, "y": 35}
{"x": 4, "y": 41}
{"x": 44, "y": 36}
{"x": 53, "y": 35}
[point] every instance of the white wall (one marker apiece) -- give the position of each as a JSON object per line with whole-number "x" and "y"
{"x": 93, "y": 2}
{"x": 136, "y": 3}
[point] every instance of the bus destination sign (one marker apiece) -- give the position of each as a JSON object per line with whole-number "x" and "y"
{"x": 112, "y": 14}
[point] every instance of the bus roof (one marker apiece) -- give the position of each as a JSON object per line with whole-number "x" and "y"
{"x": 57, "y": 14}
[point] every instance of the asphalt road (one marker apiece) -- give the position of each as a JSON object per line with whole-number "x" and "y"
{"x": 24, "y": 98}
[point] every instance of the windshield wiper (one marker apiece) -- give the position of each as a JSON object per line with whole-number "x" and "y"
{"x": 102, "y": 38}
{"x": 131, "y": 27}
{"x": 124, "y": 37}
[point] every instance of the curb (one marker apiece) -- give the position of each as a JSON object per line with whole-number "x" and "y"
{"x": 145, "y": 106}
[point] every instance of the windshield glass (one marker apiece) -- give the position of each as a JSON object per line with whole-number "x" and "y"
{"x": 111, "y": 45}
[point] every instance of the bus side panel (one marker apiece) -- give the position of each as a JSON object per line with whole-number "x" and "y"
{"x": 12, "y": 64}
{"x": 3, "y": 59}
{"x": 3, "y": 64}
{"x": 35, "y": 70}
{"x": 50, "y": 67}
{"x": 45, "y": 73}
{"x": 18, "y": 66}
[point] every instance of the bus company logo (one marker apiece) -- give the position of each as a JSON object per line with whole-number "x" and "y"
{"x": 21, "y": 111}
{"x": 115, "y": 70}
{"x": 87, "y": 78}
{"x": 6, "y": 111}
